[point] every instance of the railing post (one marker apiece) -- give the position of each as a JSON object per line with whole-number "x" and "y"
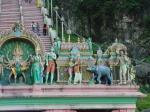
{"x": 21, "y": 13}
{"x": 0, "y": 6}
{"x": 69, "y": 33}
{"x": 56, "y": 9}
{"x": 52, "y": 10}
{"x": 62, "y": 28}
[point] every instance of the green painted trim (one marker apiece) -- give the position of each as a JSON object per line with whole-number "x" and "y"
{"x": 46, "y": 101}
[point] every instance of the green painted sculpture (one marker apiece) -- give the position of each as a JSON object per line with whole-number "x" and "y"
{"x": 17, "y": 29}
{"x": 74, "y": 52}
{"x": 36, "y": 69}
{"x": 16, "y": 64}
{"x": 89, "y": 41}
{"x": 57, "y": 46}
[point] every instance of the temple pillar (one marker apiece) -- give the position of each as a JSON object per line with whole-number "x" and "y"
{"x": 58, "y": 73}
{"x": 60, "y": 111}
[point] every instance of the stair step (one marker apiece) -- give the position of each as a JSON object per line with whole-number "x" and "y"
{"x": 8, "y": 19}
{"x": 9, "y": 1}
{"x": 12, "y": 10}
{"x": 31, "y": 13}
{"x": 31, "y": 9}
{"x": 5, "y": 27}
{"x": 10, "y": 13}
{"x": 33, "y": 17}
{"x": 8, "y": 22}
{"x": 10, "y": 4}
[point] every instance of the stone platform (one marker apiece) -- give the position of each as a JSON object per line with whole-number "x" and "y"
{"x": 66, "y": 97}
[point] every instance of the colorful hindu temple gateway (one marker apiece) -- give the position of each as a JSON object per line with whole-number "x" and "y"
{"x": 41, "y": 72}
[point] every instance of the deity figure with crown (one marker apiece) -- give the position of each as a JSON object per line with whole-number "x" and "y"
{"x": 17, "y": 65}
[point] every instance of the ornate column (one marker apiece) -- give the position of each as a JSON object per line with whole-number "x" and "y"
{"x": 58, "y": 74}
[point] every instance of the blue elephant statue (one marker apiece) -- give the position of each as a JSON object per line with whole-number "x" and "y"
{"x": 102, "y": 74}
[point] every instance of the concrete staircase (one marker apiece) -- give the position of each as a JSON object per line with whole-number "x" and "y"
{"x": 10, "y": 14}
{"x": 32, "y": 13}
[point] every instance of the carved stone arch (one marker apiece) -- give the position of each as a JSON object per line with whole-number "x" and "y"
{"x": 25, "y": 35}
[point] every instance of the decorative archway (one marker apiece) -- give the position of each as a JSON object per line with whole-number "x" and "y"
{"x": 24, "y": 35}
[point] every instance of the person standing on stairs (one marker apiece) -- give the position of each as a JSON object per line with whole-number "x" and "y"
{"x": 30, "y": 1}
{"x": 38, "y": 29}
{"x": 26, "y": 1}
{"x": 33, "y": 25}
{"x": 38, "y": 3}
{"x": 45, "y": 29}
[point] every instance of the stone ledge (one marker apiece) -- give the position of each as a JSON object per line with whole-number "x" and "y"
{"x": 77, "y": 106}
{"x": 69, "y": 91}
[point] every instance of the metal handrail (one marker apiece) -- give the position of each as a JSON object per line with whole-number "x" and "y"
{"x": 21, "y": 12}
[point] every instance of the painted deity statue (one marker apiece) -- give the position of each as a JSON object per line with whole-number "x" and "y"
{"x": 75, "y": 65}
{"x": 100, "y": 60}
{"x": 17, "y": 65}
{"x": 132, "y": 74}
{"x": 16, "y": 69}
{"x": 70, "y": 70}
{"x": 36, "y": 69}
{"x": 74, "y": 51}
{"x": 50, "y": 65}
{"x": 89, "y": 41}
{"x": 77, "y": 70}
{"x": 17, "y": 29}
{"x": 124, "y": 62}
{"x": 57, "y": 45}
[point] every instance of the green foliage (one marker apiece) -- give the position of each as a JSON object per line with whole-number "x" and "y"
{"x": 145, "y": 89}
{"x": 144, "y": 103}
{"x": 100, "y": 16}
{"x": 147, "y": 22}
{"x": 147, "y": 59}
